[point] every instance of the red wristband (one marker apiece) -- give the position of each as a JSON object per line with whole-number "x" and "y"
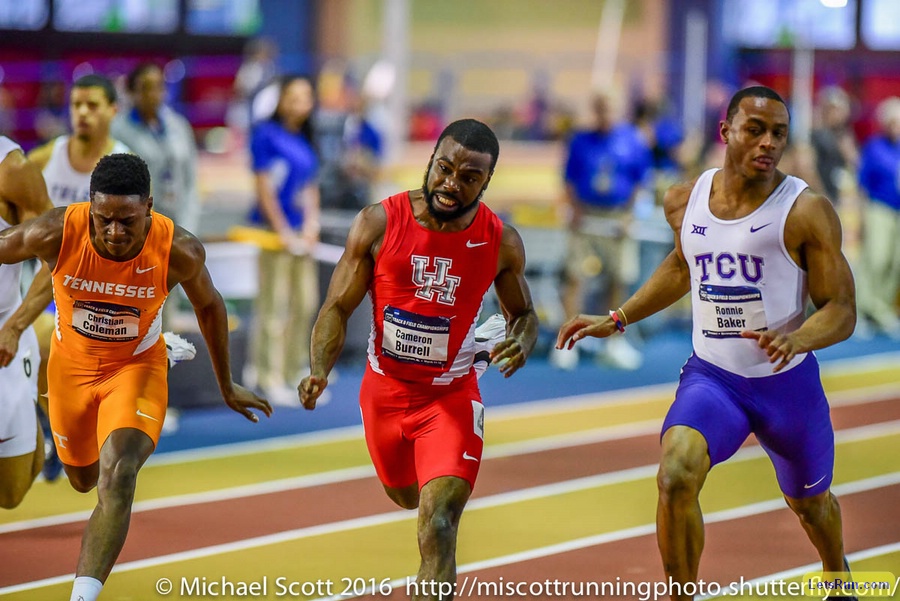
{"x": 619, "y": 325}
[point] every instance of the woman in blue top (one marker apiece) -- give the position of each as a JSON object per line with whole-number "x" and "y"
{"x": 285, "y": 168}
{"x": 879, "y": 179}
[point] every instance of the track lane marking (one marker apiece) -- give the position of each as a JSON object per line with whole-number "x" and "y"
{"x": 530, "y": 494}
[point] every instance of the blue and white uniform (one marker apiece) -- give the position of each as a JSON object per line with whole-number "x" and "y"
{"x": 743, "y": 278}
{"x": 18, "y": 380}
{"x": 64, "y": 184}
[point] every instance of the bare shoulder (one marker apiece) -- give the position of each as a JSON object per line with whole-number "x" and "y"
{"x": 22, "y": 185}
{"x": 676, "y": 200}
{"x": 49, "y": 223}
{"x": 512, "y": 250}
{"x": 14, "y": 162}
{"x": 52, "y": 219}
{"x": 368, "y": 228}
{"x": 372, "y": 217}
{"x": 812, "y": 205}
{"x": 44, "y": 234}
{"x": 511, "y": 239}
{"x": 12, "y": 168}
{"x": 187, "y": 256}
{"x": 812, "y": 215}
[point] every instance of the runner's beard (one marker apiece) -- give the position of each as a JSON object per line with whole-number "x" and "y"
{"x": 443, "y": 215}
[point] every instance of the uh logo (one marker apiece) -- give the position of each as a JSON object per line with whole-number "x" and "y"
{"x": 727, "y": 266}
{"x": 436, "y": 282}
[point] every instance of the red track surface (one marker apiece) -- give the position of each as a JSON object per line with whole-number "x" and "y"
{"x": 736, "y": 547}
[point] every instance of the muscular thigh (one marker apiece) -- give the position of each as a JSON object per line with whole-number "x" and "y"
{"x": 89, "y": 400}
{"x": 707, "y": 401}
{"x": 383, "y": 405}
{"x": 793, "y": 425}
{"x": 448, "y": 435}
{"x": 136, "y": 397}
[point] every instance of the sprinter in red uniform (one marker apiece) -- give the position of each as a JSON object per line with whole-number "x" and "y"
{"x": 427, "y": 258}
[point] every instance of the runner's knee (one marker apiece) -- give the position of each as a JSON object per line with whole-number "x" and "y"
{"x": 440, "y": 525}
{"x": 813, "y": 510}
{"x": 121, "y": 473}
{"x": 684, "y": 463}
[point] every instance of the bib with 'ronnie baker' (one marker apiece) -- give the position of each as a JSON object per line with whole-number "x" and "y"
{"x": 742, "y": 278}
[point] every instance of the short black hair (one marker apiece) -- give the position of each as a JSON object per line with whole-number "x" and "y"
{"x": 473, "y": 135}
{"x": 97, "y": 81}
{"x": 121, "y": 174}
{"x": 752, "y": 92}
{"x": 140, "y": 69}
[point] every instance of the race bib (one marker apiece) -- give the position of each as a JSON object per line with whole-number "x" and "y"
{"x": 107, "y": 322}
{"x": 725, "y": 311}
{"x": 415, "y": 338}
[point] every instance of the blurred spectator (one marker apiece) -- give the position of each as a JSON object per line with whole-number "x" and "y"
{"x": 7, "y": 112}
{"x": 426, "y": 122}
{"x": 349, "y": 146}
{"x": 534, "y": 118}
{"x": 664, "y": 136}
{"x": 68, "y": 160}
{"x": 258, "y": 69}
{"x": 165, "y": 140}
{"x": 606, "y": 168}
{"x": 285, "y": 167}
{"x": 834, "y": 143}
{"x": 52, "y": 115}
{"x": 662, "y": 133}
{"x": 879, "y": 178}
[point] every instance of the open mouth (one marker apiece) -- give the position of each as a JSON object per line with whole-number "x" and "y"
{"x": 445, "y": 201}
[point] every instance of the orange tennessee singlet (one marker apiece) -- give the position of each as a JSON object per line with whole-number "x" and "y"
{"x": 109, "y": 310}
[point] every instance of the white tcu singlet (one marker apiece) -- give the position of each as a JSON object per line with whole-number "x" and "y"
{"x": 742, "y": 278}
{"x": 18, "y": 380}
{"x": 64, "y": 184}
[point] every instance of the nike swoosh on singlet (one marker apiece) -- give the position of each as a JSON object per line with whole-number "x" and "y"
{"x": 139, "y": 270}
{"x": 753, "y": 230}
{"x": 2, "y": 440}
{"x": 469, "y": 457}
{"x": 470, "y": 244}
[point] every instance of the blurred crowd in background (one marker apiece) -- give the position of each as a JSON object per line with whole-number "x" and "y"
{"x": 593, "y": 230}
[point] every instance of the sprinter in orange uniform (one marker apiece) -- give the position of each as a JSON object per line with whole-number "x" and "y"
{"x": 113, "y": 262}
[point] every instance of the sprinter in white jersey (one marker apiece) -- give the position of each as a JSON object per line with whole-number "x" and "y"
{"x": 65, "y": 183}
{"x": 23, "y": 195}
{"x": 752, "y": 246}
{"x": 67, "y": 161}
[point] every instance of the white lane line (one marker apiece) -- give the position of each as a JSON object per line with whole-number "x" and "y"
{"x": 814, "y": 567}
{"x": 753, "y": 509}
{"x": 555, "y": 406}
{"x": 525, "y": 447}
{"x": 533, "y": 493}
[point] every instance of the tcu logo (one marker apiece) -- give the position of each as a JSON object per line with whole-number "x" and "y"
{"x": 726, "y": 266}
{"x": 436, "y": 281}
